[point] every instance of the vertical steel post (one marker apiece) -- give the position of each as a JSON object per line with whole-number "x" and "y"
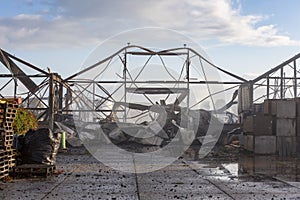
{"x": 16, "y": 87}
{"x": 60, "y": 96}
{"x": 68, "y": 100}
{"x": 125, "y": 84}
{"x": 268, "y": 87}
{"x": 281, "y": 83}
{"x": 51, "y": 102}
{"x": 295, "y": 79}
{"x": 94, "y": 91}
{"x": 188, "y": 77}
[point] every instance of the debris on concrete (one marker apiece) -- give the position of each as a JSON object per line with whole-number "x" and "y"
{"x": 225, "y": 174}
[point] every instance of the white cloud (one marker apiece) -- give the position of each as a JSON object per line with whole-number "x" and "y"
{"x": 78, "y": 23}
{"x": 27, "y": 17}
{"x": 216, "y": 20}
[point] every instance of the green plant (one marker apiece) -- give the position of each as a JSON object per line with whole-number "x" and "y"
{"x": 24, "y": 121}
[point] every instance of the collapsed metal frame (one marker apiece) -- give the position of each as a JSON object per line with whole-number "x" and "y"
{"x": 134, "y": 50}
{"x": 57, "y": 95}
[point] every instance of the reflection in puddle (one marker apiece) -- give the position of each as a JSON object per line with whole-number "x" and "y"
{"x": 247, "y": 167}
{"x": 287, "y": 169}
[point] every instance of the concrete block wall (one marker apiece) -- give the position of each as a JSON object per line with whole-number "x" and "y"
{"x": 259, "y": 134}
{"x": 264, "y": 144}
{"x": 276, "y": 130}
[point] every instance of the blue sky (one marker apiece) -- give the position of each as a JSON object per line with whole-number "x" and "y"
{"x": 246, "y": 37}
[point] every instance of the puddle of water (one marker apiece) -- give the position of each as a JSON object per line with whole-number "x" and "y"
{"x": 287, "y": 169}
{"x": 247, "y": 167}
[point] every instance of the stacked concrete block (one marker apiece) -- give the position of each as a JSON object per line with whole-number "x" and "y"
{"x": 276, "y": 130}
{"x": 249, "y": 142}
{"x": 259, "y": 134}
{"x": 286, "y": 127}
{"x": 265, "y": 144}
{"x": 270, "y": 107}
{"x": 7, "y": 152}
{"x": 258, "y": 124}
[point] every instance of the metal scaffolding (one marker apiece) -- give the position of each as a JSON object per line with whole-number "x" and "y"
{"x": 96, "y": 91}
{"x": 281, "y": 82}
{"x": 52, "y": 98}
{"x": 41, "y": 91}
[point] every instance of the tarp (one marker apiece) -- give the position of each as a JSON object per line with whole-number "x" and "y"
{"x": 40, "y": 146}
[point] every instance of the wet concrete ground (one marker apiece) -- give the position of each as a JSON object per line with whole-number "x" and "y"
{"x": 225, "y": 175}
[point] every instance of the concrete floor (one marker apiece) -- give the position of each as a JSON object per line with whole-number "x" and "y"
{"x": 216, "y": 177}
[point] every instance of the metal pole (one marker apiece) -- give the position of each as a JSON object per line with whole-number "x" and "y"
{"x": 60, "y": 97}
{"x": 281, "y": 83}
{"x": 51, "y": 99}
{"x": 16, "y": 87}
{"x": 125, "y": 84}
{"x": 268, "y": 85}
{"x": 295, "y": 79}
{"x": 94, "y": 91}
{"x": 188, "y": 77}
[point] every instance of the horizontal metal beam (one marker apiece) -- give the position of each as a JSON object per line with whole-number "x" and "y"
{"x": 92, "y": 110}
{"x": 156, "y": 53}
{"x": 18, "y": 76}
{"x": 38, "y": 109}
{"x": 278, "y": 77}
{"x": 156, "y": 90}
{"x": 155, "y": 82}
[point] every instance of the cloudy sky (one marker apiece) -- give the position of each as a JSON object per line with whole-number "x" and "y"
{"x": 246, "y": 37}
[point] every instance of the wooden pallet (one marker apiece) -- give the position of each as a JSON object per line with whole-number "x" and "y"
{"x": 33, "y": 170}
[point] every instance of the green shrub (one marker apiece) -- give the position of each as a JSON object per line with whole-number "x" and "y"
{"x": 24, "y": 121}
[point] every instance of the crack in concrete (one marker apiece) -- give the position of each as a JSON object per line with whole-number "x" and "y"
{"x": 136, "y": 179}
{"x": 65, "y": 178}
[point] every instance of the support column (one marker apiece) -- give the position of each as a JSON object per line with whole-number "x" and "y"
{"x": 125, "y": 84}
{"x": 281, "y": 83}
{"x": 268, "y": 87}
{"x": 60, "y": 97}
{"x": 295, "y": 79}
{"x": 51, "y": 102}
